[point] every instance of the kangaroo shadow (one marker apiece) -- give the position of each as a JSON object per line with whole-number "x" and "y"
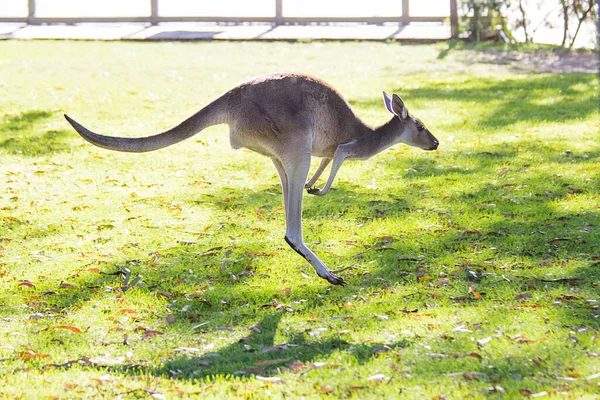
{"x": 258, "y": 353}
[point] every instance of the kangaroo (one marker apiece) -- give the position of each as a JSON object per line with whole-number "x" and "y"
{"x": 289, "y": 118}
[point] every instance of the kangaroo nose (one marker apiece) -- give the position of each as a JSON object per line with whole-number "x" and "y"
{"x": 435, "y": 144}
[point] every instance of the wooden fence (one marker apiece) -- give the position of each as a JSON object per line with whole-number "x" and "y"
{"x": 278, "y": 19}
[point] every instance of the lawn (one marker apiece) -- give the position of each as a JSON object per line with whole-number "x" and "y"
{"x": 472, "y": 271}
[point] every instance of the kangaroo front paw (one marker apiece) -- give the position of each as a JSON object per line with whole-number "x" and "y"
{"x": 314, "y": 191}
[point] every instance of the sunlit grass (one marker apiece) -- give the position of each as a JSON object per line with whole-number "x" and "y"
{"x": 512, "y": 195}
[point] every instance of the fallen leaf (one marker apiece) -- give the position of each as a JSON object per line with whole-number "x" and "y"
{"x": 377, "y": 377}
{"x": 222, "y": 329}
{"x": 442, "y": 282}
{"x": 296, "y": 366}
{"x": 187, "y": 350}
{"x": 483, "y": 341}
{"x": 462, "y": 329}
{"x": 283, "y": 292}
{"x": 65, "y": 285}
{"x": 271, "y": 379}
{"x": 523, "y": 296}
{"x": 149, "y": 333}
{"x": 381, "y": 349}
{"x": 561, "y": 280}
{"x": 527, "y": 341}
{"x": 268, "y": 363}
{"x": 356, "y": 387}
{"x": 540, "y": 394}
{"x": 30, "y": 354}
{"x": 559, "y": 239}
{"x": 324, "y": 389}
{"x": 474, "y": 292}
{"x": 595, "y": 376}
{"x": 68, "y": 328}
{"x": 27, "y": 283}
{"x": 170, "y": 318}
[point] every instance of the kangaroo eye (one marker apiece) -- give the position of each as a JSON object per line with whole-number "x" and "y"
{"x": 420, "y": 128}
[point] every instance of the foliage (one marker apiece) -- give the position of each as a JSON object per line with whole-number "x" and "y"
{"x": 472, "y": 271}
{"x": 487, "y": 19}
{"x": 483, "y": 18}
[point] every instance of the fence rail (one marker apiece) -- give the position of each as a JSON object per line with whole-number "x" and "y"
{"x": 278, "y": 19}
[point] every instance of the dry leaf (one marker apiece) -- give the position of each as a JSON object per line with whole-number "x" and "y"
{"x": 283, "y": 292}
{"x": 268, "y": 363}
{"x": 540, "y": 394}
{"x": 68, "y": 328}
{"x": 462, "y": 329}
{"x": 27, "y": 283}
{"x": 559, "y": 239}
{"x": 30, "y": 354}
{"x": 381, "y": 349}
{"x": 483, "y": 341}
{"x": 271, "y": 379}
{"x": 474, "y": 292}
{"x": 523, "y": 296}
{"x": 355, "y": 387}
{"x": 442, "y": 282}
{"x": 377, "y": 377}
{"x": 65, "y": 285}
{"x": 324, "y": 389}
{"x": 296, "y": 366}
{"x": 595, "y": 376}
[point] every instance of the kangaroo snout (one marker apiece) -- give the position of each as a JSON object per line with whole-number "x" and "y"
{"x": 434, "y": 145}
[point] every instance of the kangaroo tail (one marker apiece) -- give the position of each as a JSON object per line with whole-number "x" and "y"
{"x": 212, "y": 114}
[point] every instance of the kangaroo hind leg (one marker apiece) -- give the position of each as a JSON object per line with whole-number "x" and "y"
{"x": 296, "y": 171}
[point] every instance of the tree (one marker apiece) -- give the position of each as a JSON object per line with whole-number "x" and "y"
{"x": 583, "y": 10}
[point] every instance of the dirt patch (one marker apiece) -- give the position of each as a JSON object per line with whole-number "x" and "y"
{"x": 541, "y": 62}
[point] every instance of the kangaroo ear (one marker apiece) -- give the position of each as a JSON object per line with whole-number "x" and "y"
{"x": 398, "y": 107}
{"x": 388, "y": 102}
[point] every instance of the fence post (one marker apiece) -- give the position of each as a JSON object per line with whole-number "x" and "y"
{"x": 453, "y": 19}
{"x": 405, "y": 19}
{"x": 154, "y": 12}
{"x": 31, "y": 11}
{"x": 278, "y": 12}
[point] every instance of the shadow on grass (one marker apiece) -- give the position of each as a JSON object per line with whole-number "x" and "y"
{"x": 259, "y": 354}
{"x": 22, "y": 135}
{"x": 539, "y": 98}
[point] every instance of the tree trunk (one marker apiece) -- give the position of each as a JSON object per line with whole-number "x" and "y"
{"x": 524, "y": 21}
{"x": 581, "y": 21}
{"x": 565, "y": 8}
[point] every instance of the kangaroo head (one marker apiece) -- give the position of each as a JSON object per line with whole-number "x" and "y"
{"x": 411, "y": 130}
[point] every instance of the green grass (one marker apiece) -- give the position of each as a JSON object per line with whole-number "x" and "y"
{"x": 223, "y": 303}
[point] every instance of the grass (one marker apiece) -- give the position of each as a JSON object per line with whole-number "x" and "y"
{"x": 223, "y": 307}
